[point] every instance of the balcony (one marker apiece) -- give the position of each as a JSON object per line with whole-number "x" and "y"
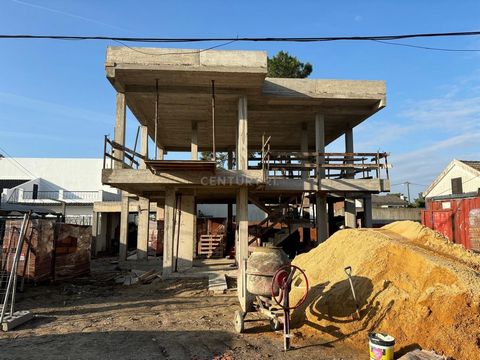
{"x": 21, "y": 196}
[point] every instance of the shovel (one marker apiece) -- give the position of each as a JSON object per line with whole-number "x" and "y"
{"x": 348, "y": 271}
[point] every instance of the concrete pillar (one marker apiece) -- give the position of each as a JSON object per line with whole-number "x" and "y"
{"x": 304, "y": 147}
{"x": 322, "y": 220}
{"x": 242, "y": 247}
{"x": 95, "y": 224}
{"x": 119, "y": 133}
{"x": 242, "y": 134}
{"x": 160, "y": 153}
{"x": 143, "y": 146}
{"x": 124, "y": 226}
{"x": 331, "y": 216}
{"x": 168, "y": 231}
{"x": 350, "y": 173}
{"x": 185, "y": 233}
{"x": 194, "y": 142}
{"x": 350, "y": 212}
{"x": 320, "y": 142}
{"x": 321, "y": 199}
{"x": 101, "y": 243}
{"x": 160, "y": 210}
{"x": 367, "y": 211}
{"x": 143, "y": 228}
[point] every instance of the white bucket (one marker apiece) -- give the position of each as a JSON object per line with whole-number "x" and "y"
{"x": 380, "y": 346}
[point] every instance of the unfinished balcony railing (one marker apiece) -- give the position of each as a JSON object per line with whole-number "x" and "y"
{"x": 308, "y": 165}
{"x": 119, "y": 156}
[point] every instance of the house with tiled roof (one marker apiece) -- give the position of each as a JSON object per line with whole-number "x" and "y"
{"x": 459, "y": 178}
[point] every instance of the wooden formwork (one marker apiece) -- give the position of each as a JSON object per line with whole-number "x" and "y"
{"x": 211, "y": 246}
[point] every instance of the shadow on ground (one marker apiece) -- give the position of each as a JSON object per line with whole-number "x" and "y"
{"x": 119, "y": 345}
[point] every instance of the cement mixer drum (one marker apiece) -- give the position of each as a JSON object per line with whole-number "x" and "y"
{"x": 261, "y": 266}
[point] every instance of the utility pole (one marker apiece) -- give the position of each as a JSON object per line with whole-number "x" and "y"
{"x": 407, "y": 183}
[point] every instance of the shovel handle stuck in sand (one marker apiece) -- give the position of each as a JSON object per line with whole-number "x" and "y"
{"x": 348, "y": 271}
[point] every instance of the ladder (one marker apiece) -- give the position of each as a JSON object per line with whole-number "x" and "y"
{"x": 9, "y": 318}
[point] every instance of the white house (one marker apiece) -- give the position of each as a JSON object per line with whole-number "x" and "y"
{"x": 54, "y": 185}
{"x": 459, "y": 177}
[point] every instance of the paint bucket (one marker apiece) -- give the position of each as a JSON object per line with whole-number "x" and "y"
{"x": 381, "y": 346}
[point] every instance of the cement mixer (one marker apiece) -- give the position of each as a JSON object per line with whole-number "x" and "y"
{"x": 269, "y": 281}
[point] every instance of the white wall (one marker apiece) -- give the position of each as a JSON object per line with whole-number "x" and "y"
{"x": 470, "y": 182}
{"x": 63, "y": 173}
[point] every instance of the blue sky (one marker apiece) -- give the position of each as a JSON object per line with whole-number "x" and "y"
{"x": 56, "y": 102}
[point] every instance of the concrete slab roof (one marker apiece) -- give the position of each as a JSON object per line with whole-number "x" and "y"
{"x": 276, "y": 107}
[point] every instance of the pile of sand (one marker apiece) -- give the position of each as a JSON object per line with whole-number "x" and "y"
{"x": 410, "y": 283}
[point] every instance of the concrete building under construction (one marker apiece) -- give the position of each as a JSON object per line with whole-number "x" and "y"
{"x": 274, "y": 131}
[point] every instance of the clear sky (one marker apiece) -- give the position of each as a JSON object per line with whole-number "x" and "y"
{"x": 56, "y": 102}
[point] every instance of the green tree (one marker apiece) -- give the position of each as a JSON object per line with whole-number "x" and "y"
{"x": 221, "y": 157}
{"x": 284, "y": 65}
{"x": 419, "y": 202}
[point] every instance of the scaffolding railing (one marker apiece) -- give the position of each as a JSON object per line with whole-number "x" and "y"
{"x": 308, "y": 165}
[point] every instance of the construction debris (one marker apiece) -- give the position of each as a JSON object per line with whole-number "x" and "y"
{"x": 138, "y": 276}
{"x": 409, "y": 281}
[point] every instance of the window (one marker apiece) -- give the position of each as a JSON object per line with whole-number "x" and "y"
{"x": 457, "y": 186}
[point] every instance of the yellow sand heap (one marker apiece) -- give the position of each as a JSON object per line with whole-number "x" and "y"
{"x": 409, "y": 281}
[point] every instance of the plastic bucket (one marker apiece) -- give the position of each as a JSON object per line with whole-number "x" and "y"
{"x": 380, "y": 346}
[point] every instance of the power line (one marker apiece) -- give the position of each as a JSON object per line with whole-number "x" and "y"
{"x": 425, "y": 47}
{"x": 254, "y": 39}
{"x": 176, "y": 53}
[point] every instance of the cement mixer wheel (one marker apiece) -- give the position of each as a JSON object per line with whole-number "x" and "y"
{"x": 239, "y": 321}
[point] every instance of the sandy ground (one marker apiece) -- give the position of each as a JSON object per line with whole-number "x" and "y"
{"x": 95, "y": 318}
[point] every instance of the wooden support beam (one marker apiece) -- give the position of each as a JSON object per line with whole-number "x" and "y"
{"x": 322, "y": 219}
{"x": 119, "y": 132}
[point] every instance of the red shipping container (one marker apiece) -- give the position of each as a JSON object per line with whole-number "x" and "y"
{"x": 458, "y": 219}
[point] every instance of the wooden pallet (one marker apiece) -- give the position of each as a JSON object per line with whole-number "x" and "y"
{"x": 211, "y": 246}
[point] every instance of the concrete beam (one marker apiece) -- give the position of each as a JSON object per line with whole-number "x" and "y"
{"x": 330, "y": 185}
{"x": 222, "y": 177}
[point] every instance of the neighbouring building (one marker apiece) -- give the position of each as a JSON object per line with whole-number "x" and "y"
{"x": 453, "y": 203}
{"x": 386, "y": 209}
{"x": 274, "y": 131}
{"x": 55, "y": 186}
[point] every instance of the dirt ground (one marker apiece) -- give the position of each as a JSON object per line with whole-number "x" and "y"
{"x": 95, "y": 318}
